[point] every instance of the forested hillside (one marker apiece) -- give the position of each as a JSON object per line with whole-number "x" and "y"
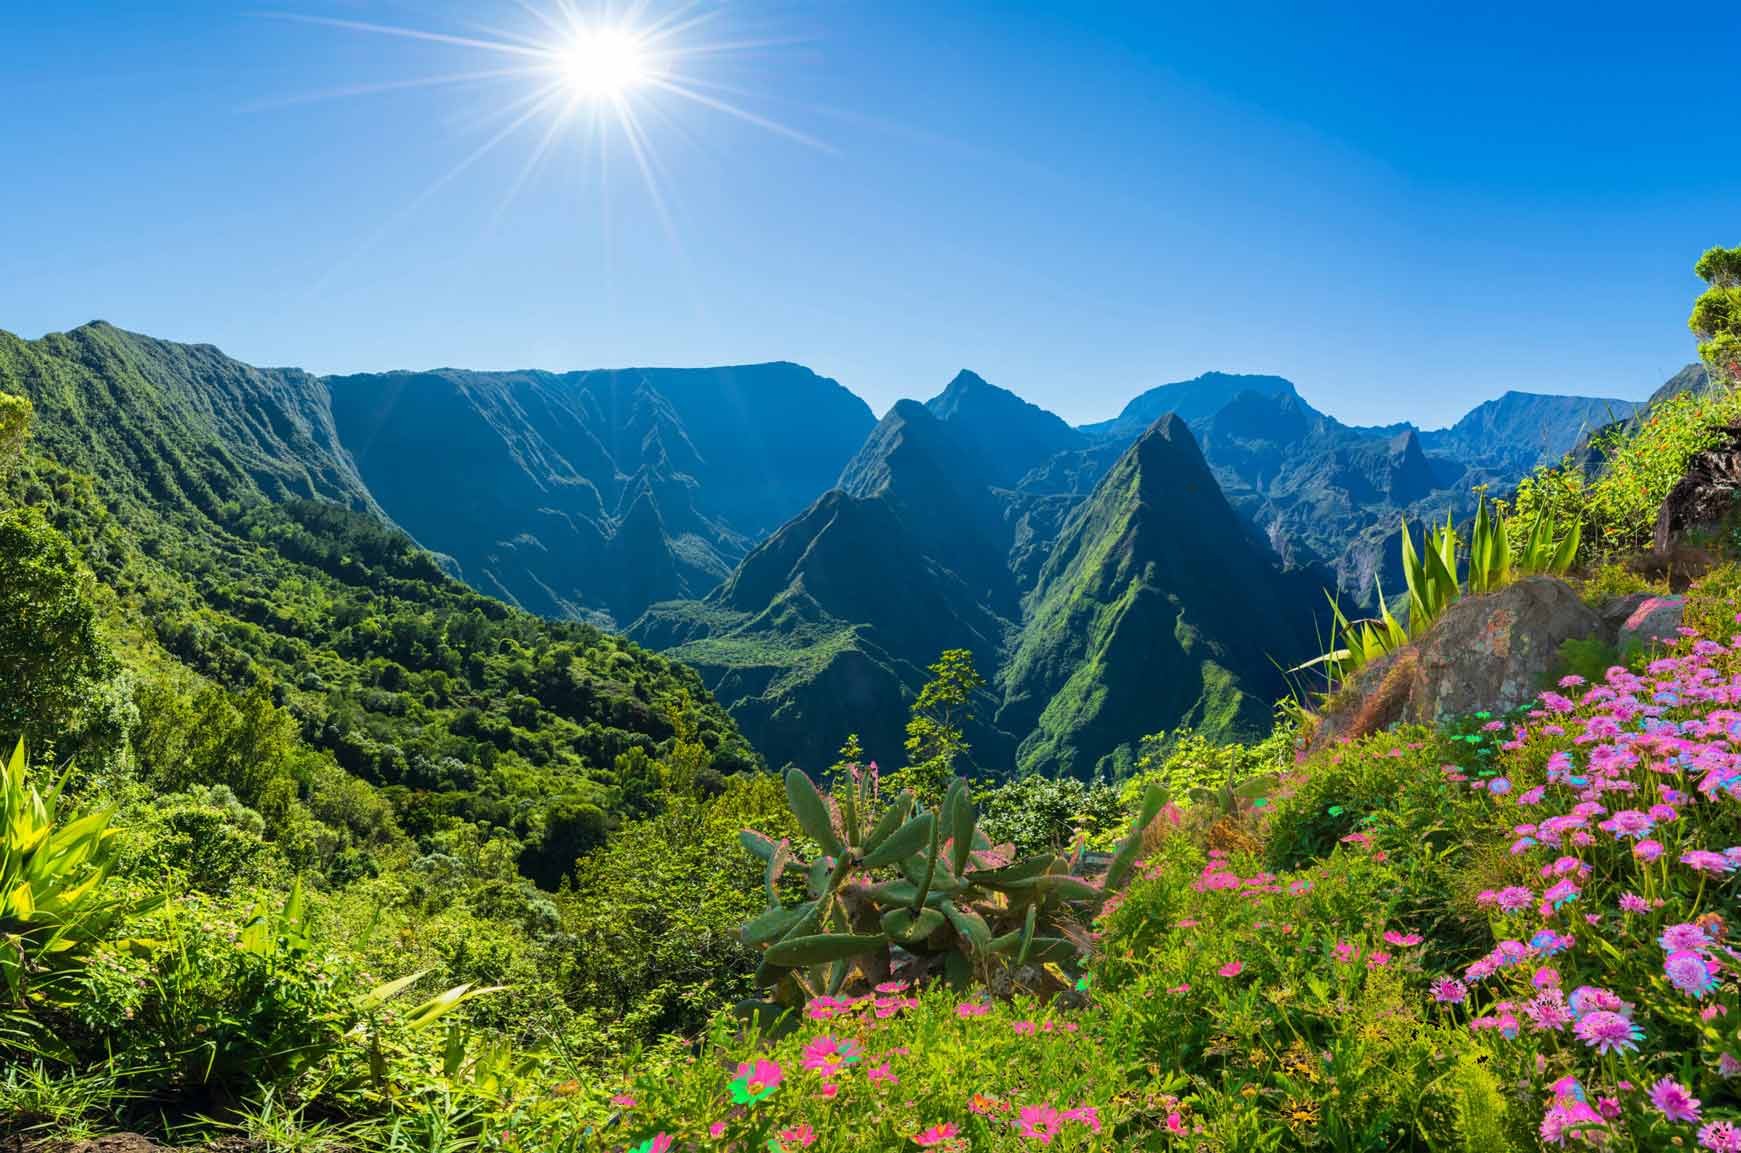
{"x": 231, "y": 540}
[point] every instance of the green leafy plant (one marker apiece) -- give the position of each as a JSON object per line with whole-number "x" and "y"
{"x": 1496, "y": 555}
{"x": 926, "y": 888}
{"x": 53, "y": 905}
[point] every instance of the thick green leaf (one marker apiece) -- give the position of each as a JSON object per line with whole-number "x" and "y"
{"x": 970, "y": 925}
{"x": 757, "y": 844}
{"x": 889, "y": 821}
{"x": 1056, "y": 884}
{"x": 821, "y": 948}
{"x": 903, "y": 842}
{"x": 775, "y": 923}
{"x": 1016, "y": 870}
{"x": 908, "y": 927}
{"x": 811, "y": 809}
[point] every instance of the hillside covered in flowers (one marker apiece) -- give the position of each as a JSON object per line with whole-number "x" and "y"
{"x": 1521, "y": 932}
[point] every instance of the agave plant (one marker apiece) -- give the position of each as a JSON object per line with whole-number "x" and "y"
{"x": 924, "y": 889}
{"x": 1497, "y": 553}
{"x": 1495, "y": 558}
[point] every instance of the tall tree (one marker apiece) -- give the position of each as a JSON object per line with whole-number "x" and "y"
{"x": 54, "y": 665}
{"x": 935, "y": 740}
{"x": 1716, "y": 318}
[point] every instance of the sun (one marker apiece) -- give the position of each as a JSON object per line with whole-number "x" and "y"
{"x": 599, "y": 74}
{"x": 603, "y": 63}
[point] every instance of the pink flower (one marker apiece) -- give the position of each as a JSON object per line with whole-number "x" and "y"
{"x": 1175, "y": 1123}
{"x": 1674, "y": 1101}
{"x": 716, "y": 1130}
{"x": 1720, "y": 1137}
{"x": 829, "y": 1091}
{"x": 878, "y": 1074}
{"x": 972, "y": 1009}
{"x": 936, "y": 1135}
{"x": 1450, "y": 991}
{"x": 756, "y": 1081}
{"x": 799, "y": 1137}
{"x": 1084, "y": 1114}
{"x": 828, "y": 1056}
{"x": 1039, "y": 1123}
{"x": 1401, "y": 940}
{"x": 1025, "y": 1028}
{"x": 623, "y": 1101}
{"x": 1232, "y": 969}
{"x": 1608, "y": 1032}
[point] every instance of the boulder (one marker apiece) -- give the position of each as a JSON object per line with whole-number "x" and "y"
{"x": 1492, "y": 653}
{"x": 1616, "y": 611}
{"x": 1706, "y": 499}
{"x": 1652, "y": 621}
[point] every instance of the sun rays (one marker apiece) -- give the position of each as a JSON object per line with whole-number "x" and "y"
{"x": 597, "y": 78}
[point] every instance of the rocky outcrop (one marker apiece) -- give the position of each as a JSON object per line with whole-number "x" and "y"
{"x": 1492, "y": 652}
{"x": 1707, "y": 498}
{"x": 1653, "y": 621}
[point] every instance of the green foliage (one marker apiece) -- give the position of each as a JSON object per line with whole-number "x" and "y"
{"x": 652, "y": 918}
{"x": 325, "y": 637}
{"x": 928, "y": 883}
{"x": 1610, "y": 579}
{"x": 56, "y": 672}
{"x": 935, "y": 740}
{"x": 1048, "y": 814}
{"x": 54, "y": 908}
{"x": 14, "y": 429}
{"x": 1497, "y": 553}
{"x": 1716, "y": 318}
{"x": 1642, "y": 460}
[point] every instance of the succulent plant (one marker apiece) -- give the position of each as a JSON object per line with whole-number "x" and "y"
{"x": 923, "y": 889}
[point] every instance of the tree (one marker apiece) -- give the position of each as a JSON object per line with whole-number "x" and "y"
{"x": 54, "y": 667}
{"x": 572, "y": 828}
{"x": 935, "y": 740}
{"x": 1716, "y": 318}
{"x": 14, "y": 427}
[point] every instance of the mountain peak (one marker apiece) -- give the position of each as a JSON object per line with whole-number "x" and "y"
{"x": 1010, "y": 434}
{"x": 968, "y": 379}
{"x": 1196, "y": 399}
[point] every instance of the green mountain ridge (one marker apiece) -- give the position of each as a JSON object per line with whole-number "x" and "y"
{"x": 827, "y": 627}
{"x": 594, "y": 494}
{"x": 1155, "y": 609}
{"x": 236, "y": 542}
{"x": 685, "y": 501}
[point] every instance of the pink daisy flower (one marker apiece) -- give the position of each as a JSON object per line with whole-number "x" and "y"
{"x": 1674, "y": 1101}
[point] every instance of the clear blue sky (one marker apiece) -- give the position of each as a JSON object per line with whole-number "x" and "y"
{"x": 1404, "y": 208}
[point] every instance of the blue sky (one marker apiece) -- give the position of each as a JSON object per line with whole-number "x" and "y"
{"x": 1405, "y": 209}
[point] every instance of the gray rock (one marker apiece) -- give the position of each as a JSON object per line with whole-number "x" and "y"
{"x": 1653, "y": 621}
{"x": 1616, "y": 611}
{"x": 1487, "y": 653}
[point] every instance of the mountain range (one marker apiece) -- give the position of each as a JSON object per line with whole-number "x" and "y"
{"x": 759, "y": 523}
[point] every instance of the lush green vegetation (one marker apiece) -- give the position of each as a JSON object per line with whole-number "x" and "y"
{"x": 310, "y": 846}
{"x": 206, "y": 551}
{"x": 1498, "y": 551}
